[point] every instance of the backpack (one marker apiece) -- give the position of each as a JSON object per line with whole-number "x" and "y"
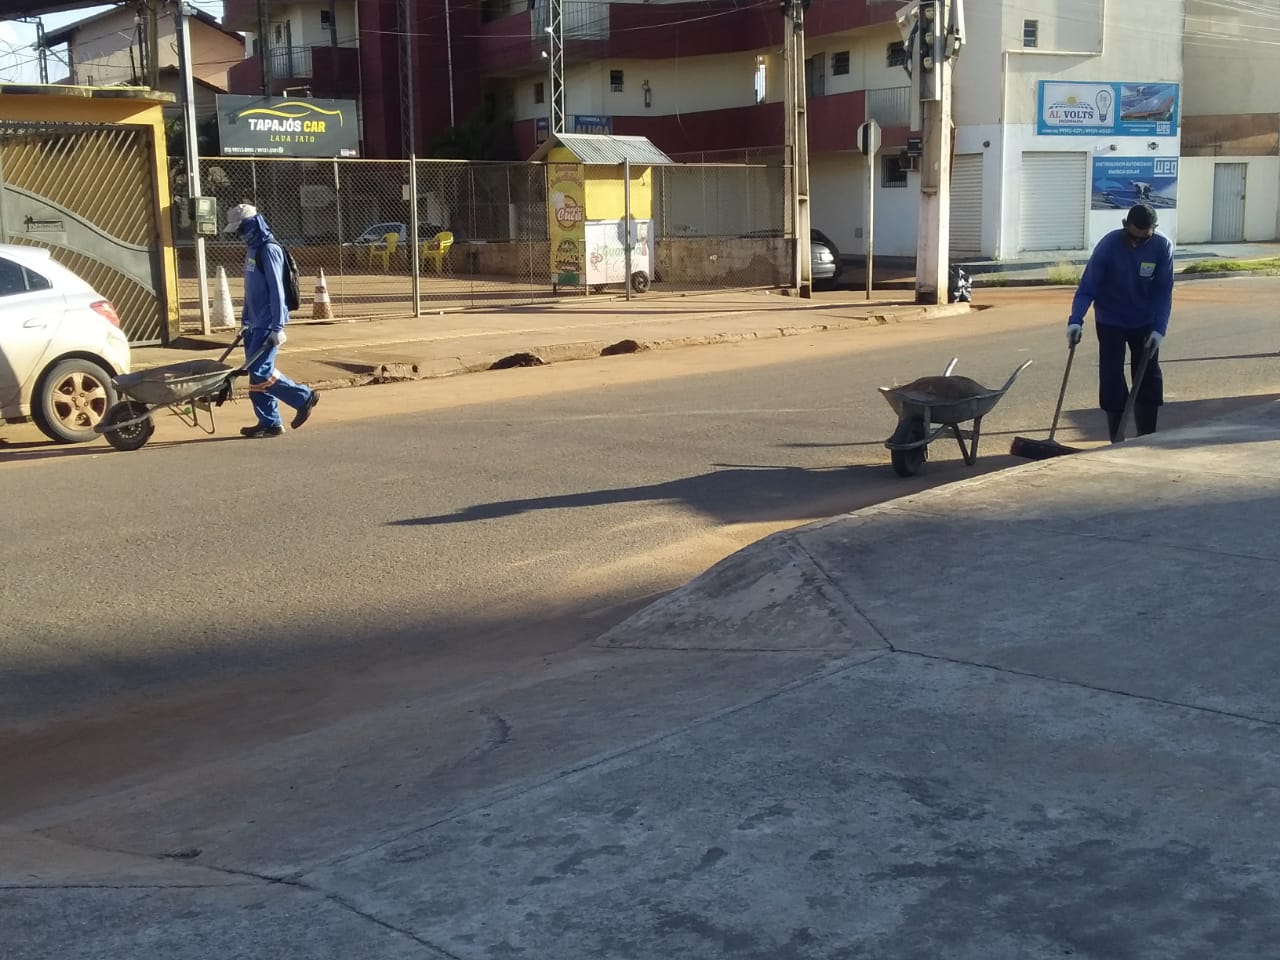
{"x": 289, "y": 276}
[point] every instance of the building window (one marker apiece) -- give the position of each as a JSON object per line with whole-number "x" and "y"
{"x": 325, "y": 24}
{"x": 840, "y": 63}
{"x": 762, "y": 79}
{"x": 893, "y": 170}
{"x": 896, "y": 55}
{"x": 1031, "y": 33}
{"x": 615, "y": 81}
{"x": 539, "y": 92}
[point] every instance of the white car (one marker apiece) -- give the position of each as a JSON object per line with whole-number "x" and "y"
{"x": 378, "y": 233}
{"x": 60, "y": 345}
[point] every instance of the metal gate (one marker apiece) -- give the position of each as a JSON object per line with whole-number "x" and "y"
{"x": 1228, "y": 202}
{"x": 966, "y": 204}
{"x": 1053, "y": 198}
{"x": 87, "y": 192}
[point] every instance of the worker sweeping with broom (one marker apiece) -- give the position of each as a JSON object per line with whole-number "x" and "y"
{"x": 1129, "y": 284}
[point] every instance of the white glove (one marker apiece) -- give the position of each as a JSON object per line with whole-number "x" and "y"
{"x": 1153, "y": 341}
{"x": 1074, "y": 332}
{"x": 277, "y": 337}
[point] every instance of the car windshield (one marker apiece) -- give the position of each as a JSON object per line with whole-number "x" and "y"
{"x": 380, "y": 230}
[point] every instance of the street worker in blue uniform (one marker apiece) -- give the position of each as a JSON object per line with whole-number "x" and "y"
{"x": 265, "y": 314}
{"x": 1129, "y": 284}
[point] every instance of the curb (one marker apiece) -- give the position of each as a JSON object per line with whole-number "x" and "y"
{"x": 434, "y": 368}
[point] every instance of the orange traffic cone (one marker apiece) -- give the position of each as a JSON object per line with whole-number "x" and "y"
{"x": 321, "y": 309}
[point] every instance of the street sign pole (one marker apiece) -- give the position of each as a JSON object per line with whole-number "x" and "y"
{"x": 869, "y": 144}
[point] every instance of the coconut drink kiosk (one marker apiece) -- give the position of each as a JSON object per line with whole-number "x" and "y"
{"x": 599, "y": 197}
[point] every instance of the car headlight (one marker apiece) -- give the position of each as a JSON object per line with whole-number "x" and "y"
{"x": 823, "y": 255}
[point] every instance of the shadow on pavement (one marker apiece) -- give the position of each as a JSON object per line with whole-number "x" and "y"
{"x": 30, "y": 451}
{"x": 748, "y": 493}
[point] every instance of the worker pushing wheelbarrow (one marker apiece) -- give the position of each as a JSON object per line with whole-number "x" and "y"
{"x": 931, "y": 406}
{"x": 186, "y": 389}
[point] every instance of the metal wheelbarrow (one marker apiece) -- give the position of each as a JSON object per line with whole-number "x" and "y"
{"x": 186, "y": 389}
{"x": 930, "y": 406}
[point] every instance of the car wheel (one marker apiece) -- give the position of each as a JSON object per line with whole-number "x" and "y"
{"x": 71, "y": 399}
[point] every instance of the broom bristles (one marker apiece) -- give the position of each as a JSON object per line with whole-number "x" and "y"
{"x": 1029, "y": 449}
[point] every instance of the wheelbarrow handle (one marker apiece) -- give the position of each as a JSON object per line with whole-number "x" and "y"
{"x": 234, "y": 343}
{"x": 249, "y": 361}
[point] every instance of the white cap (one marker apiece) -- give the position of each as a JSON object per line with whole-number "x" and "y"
{"x": 238, "y": 215}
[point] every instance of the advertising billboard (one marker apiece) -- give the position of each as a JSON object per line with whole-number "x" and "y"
{"x": 566, "y": 222}
{"x": 284, "y": 127}
{"x": 1073, "y": 108}
{"x": 1120, "y": 182}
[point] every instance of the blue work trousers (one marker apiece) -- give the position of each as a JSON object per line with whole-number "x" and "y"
{"x": 267, "y": 385}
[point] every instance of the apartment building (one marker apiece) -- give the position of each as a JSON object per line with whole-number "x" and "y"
{"x": 1066, "y": 111}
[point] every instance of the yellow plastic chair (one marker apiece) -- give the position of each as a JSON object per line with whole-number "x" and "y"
{"x": 384, "y": 250}
{"x": 436, "y": 248}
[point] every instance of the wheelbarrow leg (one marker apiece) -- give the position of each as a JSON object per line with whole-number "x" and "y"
{"x": 972, "y": 456}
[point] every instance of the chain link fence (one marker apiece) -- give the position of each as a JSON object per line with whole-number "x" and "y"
{"x": 722, "y": 226}
{"x": 483, "y": 237}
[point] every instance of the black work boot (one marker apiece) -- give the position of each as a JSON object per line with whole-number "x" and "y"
{"x": 1144, "y": 418}
{"x": 261, "y": 430}
{"x": 1113, "y": 425}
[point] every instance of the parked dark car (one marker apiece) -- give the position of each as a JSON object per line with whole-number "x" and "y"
{"x": 824, "y": 257}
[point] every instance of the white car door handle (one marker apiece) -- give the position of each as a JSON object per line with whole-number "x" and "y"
{"x": 35, "y": 323}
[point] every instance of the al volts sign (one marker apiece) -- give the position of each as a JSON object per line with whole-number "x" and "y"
{"x": 1072, "y": 108}
{"x": 275, "y": 126}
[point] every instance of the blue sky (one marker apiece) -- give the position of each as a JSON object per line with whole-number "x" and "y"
{"x": 18, "y": 61}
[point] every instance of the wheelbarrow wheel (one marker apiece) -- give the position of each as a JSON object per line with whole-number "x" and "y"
{"x": 135, "y": 435}
{"x": 907, "y": 463}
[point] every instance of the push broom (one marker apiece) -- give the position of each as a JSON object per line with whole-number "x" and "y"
{"x": 1030, "y": 449}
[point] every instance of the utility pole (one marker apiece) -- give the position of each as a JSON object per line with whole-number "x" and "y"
{"x": 939, "y": 34}
{"x": 795, "y": 95}
{"x": 180, "y": 14}
{"x": 408, "y": 131}
{"x": 263, "y": 44}
{"x": 448, "y": 52}
{"x": 555, "y": 65}
{"x": 335, "y": 84}
{"x": 42, "y": 47}
{"x": 409, "y": 139}
{"x": 153, "y": 44}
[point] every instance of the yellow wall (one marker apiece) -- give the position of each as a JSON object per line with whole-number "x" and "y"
{"x": 80, "y": 105}
{"x": 606, "y": 198}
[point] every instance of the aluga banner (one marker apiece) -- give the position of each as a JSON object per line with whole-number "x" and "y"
{"x": 287, "y": 127}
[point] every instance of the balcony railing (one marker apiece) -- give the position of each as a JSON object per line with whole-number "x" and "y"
{"x": 890, "y": 106}
{"x": 290, "y": 62}
{"x": 582, "y": 19}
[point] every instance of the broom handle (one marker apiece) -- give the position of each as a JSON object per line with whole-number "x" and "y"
{"x": 1071, "y": 354}
{"x": 1133, "y": 394}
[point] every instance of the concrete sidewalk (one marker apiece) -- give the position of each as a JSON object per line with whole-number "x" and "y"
{"x": 1028, "y": 716}
{"x": 339, "y": 354}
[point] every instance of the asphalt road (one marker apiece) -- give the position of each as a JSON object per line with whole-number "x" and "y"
{"x": 493, "y": 519}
